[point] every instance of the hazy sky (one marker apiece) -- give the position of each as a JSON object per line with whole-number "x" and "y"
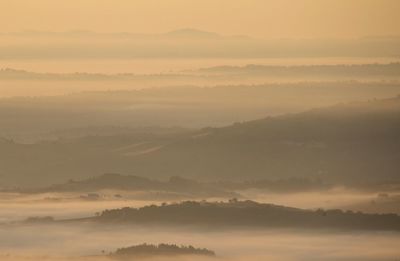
{"x": 261, "y": 18}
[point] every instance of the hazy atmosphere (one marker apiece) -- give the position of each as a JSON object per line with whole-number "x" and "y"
{"x": 256, "y": 18}
{"x": 199, "y": 130}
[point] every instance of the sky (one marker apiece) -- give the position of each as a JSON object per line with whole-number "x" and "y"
{"x": 257, "y": 18}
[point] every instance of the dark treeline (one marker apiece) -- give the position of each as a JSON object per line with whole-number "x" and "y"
{"x": 247, "y": 214}
{"x": 148, "y": 250}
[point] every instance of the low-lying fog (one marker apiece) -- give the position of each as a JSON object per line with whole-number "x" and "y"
{"x": 72, "y": 241}
{"x": 75, "y": 240}
{"x": 16, "y": 207}
{"x": 89, "y": 241}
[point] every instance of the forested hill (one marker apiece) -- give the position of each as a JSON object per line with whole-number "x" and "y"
{"x": 247, "y": 214}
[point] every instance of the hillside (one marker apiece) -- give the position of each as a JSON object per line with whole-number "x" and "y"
{"x": 347, "y": 143}
{"x": 354, "y": 142}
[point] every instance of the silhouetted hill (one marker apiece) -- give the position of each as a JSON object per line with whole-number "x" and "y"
{"x": 148, "y": 250}
{"x": 247, "y": 214}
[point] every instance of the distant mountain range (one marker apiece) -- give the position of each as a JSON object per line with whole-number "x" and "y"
{"x": 183, "y": 43}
